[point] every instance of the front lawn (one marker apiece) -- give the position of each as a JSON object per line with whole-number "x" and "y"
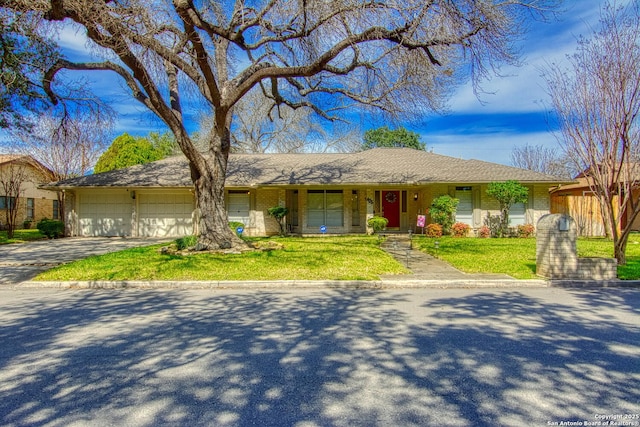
{"x": 312, "y": 258}
{"x": 21, "y": 236}
{"x": 517, "y": 257}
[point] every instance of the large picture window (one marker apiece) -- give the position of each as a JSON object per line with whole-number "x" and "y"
{"x": 325, "y": 207}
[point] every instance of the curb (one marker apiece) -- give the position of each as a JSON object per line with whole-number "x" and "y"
{"x": 330, "y": 284}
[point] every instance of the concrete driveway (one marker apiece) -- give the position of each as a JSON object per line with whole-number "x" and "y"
{"x": 375, "y": 358}
{"x": 21, "y": 262}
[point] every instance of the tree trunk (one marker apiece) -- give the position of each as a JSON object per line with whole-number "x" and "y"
{"x": 619, "y": 250}
{"x": 208, "y": 176}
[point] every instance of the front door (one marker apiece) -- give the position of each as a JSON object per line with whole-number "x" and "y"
{"x": 391, "y": 208}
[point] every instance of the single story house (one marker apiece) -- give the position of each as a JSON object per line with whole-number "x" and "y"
{"x": 34, "y": 203}
{"x": 339, "y": 191}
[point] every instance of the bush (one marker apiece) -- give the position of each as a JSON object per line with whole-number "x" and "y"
{"x": 434, "y": 230}
{"x": 526, "y": 230}
{"x": 26, "y": 224}
{"x": 484, "y": 232}
{"x": 460, "y": 229}
{"x": 186, "y": 242}
{"x": 279, "y": 213}
{"x": 378, "y": 223}
{"x": 51, "y": 228}
{"x": 443, "y": 211}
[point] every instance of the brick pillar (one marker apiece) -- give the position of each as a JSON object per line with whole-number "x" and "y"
{"x": 556, "y": 251}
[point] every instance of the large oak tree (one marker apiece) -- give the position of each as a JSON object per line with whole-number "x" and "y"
{"x": 327, "y": 56}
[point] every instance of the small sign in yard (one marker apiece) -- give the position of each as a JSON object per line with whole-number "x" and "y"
{"x": 239, "y": 230}
{"x": 323, "y": 229}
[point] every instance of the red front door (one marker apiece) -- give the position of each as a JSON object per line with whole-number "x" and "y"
{"x": 391, "y": 208}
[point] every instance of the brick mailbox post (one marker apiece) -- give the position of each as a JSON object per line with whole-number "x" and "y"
{"x": 557, "y": 255}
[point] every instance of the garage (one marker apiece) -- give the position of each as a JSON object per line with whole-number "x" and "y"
{"x": 105, "y": 214}
{"x": 165, "y": 214}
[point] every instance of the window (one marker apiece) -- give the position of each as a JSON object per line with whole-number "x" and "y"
{"x": 517, "y": 214}
{"x": 464, "y": 211}
{"x": 30, "y": 208}
{"x": 239, "y": 206}
{"x": 4, "y": 204}
{"x": 324, "y": 207}
{"x": 56, "y": 209}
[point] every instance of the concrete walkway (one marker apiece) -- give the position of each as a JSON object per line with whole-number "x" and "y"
{"x": 426, "y": 268}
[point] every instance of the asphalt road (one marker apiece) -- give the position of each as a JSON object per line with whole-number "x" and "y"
{"x": 419, "y": 357}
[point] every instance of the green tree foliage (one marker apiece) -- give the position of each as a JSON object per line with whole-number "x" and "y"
{"x": 507, "y": 194}
{"x": 443, "y": 211}
{"x": 385, "y": 137}
{"x": 127, "y": 150}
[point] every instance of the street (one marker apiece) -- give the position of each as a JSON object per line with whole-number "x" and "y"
{"x": 408, "y": 357}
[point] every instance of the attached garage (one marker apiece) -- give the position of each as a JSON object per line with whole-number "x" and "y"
{"x": 105, "y": 213}
{"x": 165, "y": 214}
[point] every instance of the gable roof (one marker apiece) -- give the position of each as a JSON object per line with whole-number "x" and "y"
{"x": 23, "y": 159}
{"x": 375, "y": 166}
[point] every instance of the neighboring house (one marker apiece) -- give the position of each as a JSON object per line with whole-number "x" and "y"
{"x": 34, "y": 203}
{"x": 338, "y": 191}
{"x": 579, "y": 201}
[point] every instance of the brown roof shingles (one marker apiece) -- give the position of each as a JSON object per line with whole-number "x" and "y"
{"x": 376, "y": 166}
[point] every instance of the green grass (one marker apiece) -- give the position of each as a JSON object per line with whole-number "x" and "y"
{"x": 21, "y": 236}
{"x": 517, "y": 257}
{"x": 329, "y": 258}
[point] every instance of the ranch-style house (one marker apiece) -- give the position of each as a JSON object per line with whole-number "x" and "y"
{"x": 339, "y": 191}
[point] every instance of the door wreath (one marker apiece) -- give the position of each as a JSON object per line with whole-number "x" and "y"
{"x": 391, "y": 197}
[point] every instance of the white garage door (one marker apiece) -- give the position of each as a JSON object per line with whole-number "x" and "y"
{"x": 165, "y": 215}
{"x": 105, "y": 214}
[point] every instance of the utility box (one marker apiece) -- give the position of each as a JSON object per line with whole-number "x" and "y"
{"x": 557, "y": 253}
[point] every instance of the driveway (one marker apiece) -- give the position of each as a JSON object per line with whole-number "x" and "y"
{"x": 20, "y": 262}
{"x": 413, "y": 357}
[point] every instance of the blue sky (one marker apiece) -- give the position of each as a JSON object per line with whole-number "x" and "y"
{"x": 511, "y": 113}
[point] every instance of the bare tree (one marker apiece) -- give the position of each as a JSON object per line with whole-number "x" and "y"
{"x": 542, "y": 159}
{"x": 65, "y": 147}
{"x": 327, "y": 56}
{"x": 597, "y": 101}
{"x": 13, "y": 175}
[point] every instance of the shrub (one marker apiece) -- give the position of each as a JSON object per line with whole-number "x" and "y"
{"x": 51, "y": 228}
{"x": 434, "y": 230}
{"x": 186, "y": 242}
{"x": 378, "y": 223}
{"x": 526, "y": 230}
{"x": 279, "y": 213}
{"x": 460, "y": 229}
{"x": 484, "y": 232}
{"x": 443, "y": 211}
{"x": 26, "y": 224}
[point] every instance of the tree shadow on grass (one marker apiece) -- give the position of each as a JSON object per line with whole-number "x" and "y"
{"x": 364, "y": 357}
